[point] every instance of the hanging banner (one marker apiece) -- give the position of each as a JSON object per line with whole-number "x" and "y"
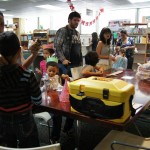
{"x": 101, "y": 10}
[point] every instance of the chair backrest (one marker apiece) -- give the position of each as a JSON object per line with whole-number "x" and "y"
{"x": 122, "y": 137}
{"x": 127, "y": 145}
{"x": 47, "y": 147}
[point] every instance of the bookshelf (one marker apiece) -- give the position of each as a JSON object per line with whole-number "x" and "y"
{"x": 42, "y": 35}
{"x": 51, "y": 35}
{"x": 24, "y": 38}
{"x": 138, "y": 32}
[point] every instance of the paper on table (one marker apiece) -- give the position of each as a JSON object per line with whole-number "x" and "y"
{"x": 76, "y": 72}
{"x": 137, "y": 105}
{"x": 114, "y": 73}
{"x": 127, "y": 77}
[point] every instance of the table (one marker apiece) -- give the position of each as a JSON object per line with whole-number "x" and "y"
{"x": 142, "y": 96}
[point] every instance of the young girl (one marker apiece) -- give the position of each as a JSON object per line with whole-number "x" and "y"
{"x": 103, "y": 48}
{"x": 90, "y": 69}
{"x": 52, "y": 72}
{"x": 48, "y": 51}
{"x": 120, "y": 61}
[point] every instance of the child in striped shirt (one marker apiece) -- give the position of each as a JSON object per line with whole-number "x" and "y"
{"x": 19, "y": 91}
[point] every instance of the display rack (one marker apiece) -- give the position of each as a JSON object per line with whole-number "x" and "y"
{"x": 24, "y": 38}
{"x": 42, "y": 35}
{"x": 138, "y": 32}
{"x": 51, "y": 35}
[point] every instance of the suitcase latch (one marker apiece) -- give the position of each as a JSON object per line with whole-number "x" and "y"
{"x": 105, "y": 93}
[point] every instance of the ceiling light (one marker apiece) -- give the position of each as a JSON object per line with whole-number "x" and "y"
{"x": 49, "y": 7}
{"x": 1, "y": 9}
{"x": 138, "y": 1}
{"x": 8, "y": 15}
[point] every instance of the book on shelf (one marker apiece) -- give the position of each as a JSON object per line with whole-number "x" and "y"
{"x": 135, "y": 31}
{"x": 139, "y": 40}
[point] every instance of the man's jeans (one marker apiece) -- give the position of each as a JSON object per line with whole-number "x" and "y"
{"x": 18, "y": 130}
{"x": 66, "y": 69}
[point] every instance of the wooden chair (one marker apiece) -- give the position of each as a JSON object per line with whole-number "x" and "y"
{"x": 121, "y": 140}
{"x": 47, "y": 147}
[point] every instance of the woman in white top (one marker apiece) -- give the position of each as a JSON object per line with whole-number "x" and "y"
{"x": 103, "y": 48}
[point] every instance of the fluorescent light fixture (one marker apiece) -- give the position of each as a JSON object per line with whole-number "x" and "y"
{"x": 138, "y": 1}
{"x": 65, "y": 0}
{"x": 1, "y": 9}
{"x": 8, "y": 15}
{"x": 51, "y": 7}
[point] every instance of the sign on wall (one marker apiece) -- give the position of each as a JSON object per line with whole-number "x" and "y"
{"x": 117, "y": 25}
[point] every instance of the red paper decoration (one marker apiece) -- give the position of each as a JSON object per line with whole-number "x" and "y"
{"x": 101, "y": 10}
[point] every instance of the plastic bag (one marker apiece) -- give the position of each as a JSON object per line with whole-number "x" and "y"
{"x": 143, "y": 71}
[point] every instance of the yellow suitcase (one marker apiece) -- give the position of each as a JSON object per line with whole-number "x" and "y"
{"x": 102, "y": 98}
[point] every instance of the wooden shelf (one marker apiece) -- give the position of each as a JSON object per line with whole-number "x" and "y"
{"x": 137, "y": 35}
{"x": 42, "y": 35}
{"x": 42, "y": 39}
{"x": 51, "y": 34}
{"x": 134, "y": 24}
{"x": 140, "y": 43}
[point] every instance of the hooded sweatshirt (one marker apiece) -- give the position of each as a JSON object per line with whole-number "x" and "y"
{"x": 19, "y": 89}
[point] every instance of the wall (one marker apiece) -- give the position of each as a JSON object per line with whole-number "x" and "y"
{"x": 54, "y": 22}
{"x": 144, "y": 12}
{"x": 116, "y": 15}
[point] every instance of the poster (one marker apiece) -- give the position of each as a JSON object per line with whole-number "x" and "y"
{"x": 117, "y": 25}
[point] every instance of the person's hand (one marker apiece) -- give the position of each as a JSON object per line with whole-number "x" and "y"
{"x": 111, "y": 57}
{"x": 66, "y": 62}
{"x": 99, "y": 73}
{"x": 3, "y": 60}
{"x": 65, "y": 76}
{"x": 38, "y": 70}
{"x": 127, "y": 47}
{"x": 101, "y": 69}
{"x": 35, "y": 47}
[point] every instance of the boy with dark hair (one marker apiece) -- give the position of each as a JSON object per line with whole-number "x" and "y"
{"x": 19, "y": 91}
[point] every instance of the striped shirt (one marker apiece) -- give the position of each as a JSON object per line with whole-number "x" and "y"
{"x": 19, "y": 89}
